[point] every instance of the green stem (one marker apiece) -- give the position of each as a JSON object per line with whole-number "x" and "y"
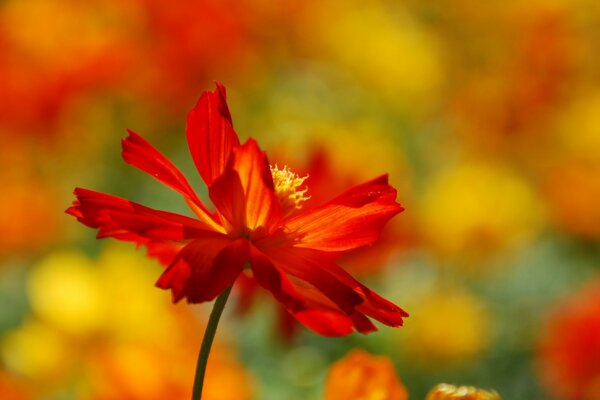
{"x": 209, "y": 335}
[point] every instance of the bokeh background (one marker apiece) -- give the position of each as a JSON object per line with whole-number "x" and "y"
{"x": 486, "y": 115}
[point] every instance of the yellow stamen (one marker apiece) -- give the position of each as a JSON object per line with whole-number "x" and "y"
{"x": 287, "y": 187}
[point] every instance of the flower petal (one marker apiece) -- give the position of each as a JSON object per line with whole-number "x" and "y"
{"x": 210, "y": 134}
{"x": 244, "y": 193}
{"x": 351, "y": 220}
{"x": 262, "y": 207}
{"x": 304, "y": 301}
{"x": 333, "y": 282}
{"x": 227, "y": 194}
{"x": 325, "y": 320}
{"x": 125, "y": 220}
{"x": 141, "y": 154}
{"x": 164, "y": 252}
{"x": 204, "y": 268}
{"x": 329, "y": 323}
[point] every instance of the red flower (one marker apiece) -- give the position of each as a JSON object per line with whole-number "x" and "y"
{"x": 258, "y": 222}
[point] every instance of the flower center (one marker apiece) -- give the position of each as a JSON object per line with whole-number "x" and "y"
{"x": 287, "y": 187}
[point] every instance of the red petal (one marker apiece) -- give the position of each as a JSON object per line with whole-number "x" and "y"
{"x": 326, "y": 322}
{"x": 306, "y": 303}
{"x": 141, "y": 154}
{"x": 337, "y": 285}
{"x": 275, "y": 280}
{"x": 210, "y": 134}
{"x": 125, "y": 220}
{"x": 164, "y": 252}
{"x": 245, "y": 195}
{"x": 204, "y": 268}
{"x": 351, "y": 220}
{"x": 227, "y": 194}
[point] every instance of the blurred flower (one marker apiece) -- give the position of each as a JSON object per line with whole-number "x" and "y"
{"x": 571, "y": 180}
{"x": 259, "y": 221}
{"x": 39, "y": 353}
{"x": 27, "y": 215}
{"x": 11, "y": 388}
{"x": 98, "y": 328}
{"x": 569, "y": 347}
{"x": 448, "y": 325}
{"x": 362, "y": 376}
{"x": 40, "y": 77}
{"x": 64, "y": 290}
{"x": 138, "y": 371}
{"x": 188, "y": 43}
{"x": 443, "y": 391}
{"x": 506, "y": 101}
{"x": 476, "y": 210}
{"x": 381, "y": 38}
{"x": 571, "y": 191}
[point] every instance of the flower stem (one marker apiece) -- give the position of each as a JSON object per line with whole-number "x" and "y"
{"x": 209, "y": 335}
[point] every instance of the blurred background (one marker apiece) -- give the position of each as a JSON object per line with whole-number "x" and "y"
{"x": 486, "y": 115}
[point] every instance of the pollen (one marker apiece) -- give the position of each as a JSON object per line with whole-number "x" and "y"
{"x": 288, "y": 187}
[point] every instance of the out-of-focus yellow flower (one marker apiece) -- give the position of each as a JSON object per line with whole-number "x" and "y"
{"x": 126, "y": 274}
{"x": 385, "y": 47}
{"x": 578, "y": 129}
{"x": 38, "y": 351}
{"x": 101, "y": 330}
{"x": 448, "y": 325}
{"x": 362, "y": 376}
{"x": 474, "y": 210}
{"x": 444, "y": 391}
{"x": 64, "y": 290}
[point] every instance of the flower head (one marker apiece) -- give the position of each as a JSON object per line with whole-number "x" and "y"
{"x": 291, "y": 250}
{"x": 360, "y": 375}
{"x": 444, "y": 391}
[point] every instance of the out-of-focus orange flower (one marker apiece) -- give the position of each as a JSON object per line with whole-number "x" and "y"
{"x": 569, "y": 350}
{"x": 571, "y": 182}
{"x": 448, "y": 326}
{"x": 572, "y": 191}
{"x": 360, "y": 375}
{"x": 11, "y": 388}
{"x": 40, "y": 75}
{"x": 139, "y": 371}
{"x": 444, "y": 391}
{"x": 524, "y": 71}
{"x": 27, "y": 216}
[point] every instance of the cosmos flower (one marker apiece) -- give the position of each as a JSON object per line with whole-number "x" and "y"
{"x": 259, "y": 225}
